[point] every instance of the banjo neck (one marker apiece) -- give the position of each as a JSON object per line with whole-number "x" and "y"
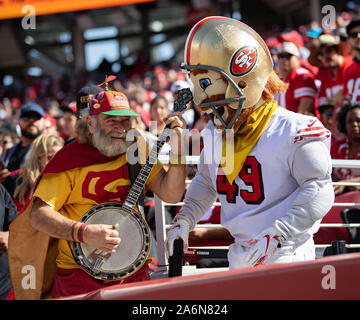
{"x": 183, "y": 98}
{"x": 139, "y": 183}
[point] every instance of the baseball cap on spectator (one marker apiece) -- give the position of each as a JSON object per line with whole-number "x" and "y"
{"x": 15, "y": 102}
{"x": 71, "y": 107}
{"x": 346, "y": 16}
{"x": 112, "y": 103}
{"x": 351, "y": 25}
{"x": 292, "y": 36}
{"x": 159, "y": 70}
{"x": 289, "y": 47}
{"x": 273, "y": 43}
{"x": 50, "y": 118}
{"x": 32, "y": 107}
{"x": 178, "y": 85}
{"x": 314, "y": 33}
{"x": 328, "y": 40}
{"x": 84, "y": 96}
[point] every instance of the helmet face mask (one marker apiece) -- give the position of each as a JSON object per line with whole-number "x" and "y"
{"x": 229, "y": 65}
{"x": 213, "y": 82}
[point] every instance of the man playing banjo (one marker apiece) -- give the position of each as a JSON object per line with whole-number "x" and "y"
{"x": 79, "y": 177}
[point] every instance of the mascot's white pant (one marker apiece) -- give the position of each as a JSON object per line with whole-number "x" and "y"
{"x": 286, "y": 254}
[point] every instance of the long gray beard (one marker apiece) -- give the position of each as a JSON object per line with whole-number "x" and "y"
{"x": 105, "y": 146}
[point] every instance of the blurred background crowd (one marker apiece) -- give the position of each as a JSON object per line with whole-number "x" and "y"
{"x": 319, "y": 59}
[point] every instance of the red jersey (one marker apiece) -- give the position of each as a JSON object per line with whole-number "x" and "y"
{"x": 341, "y": 153}
{"x": 330, "y": 85}
{"x": 351, "y": 83}
{"x": 301, "y": 85}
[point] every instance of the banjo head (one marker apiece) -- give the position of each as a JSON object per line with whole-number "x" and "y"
{"x": 132, "y": 251}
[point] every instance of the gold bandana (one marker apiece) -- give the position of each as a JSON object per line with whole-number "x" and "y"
{"x": 235, "y": 152}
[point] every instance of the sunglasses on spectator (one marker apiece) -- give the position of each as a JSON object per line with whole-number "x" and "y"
{"x": 354, "y": 35}
{"x": 31, "y": 115}
{"x": 284, "y": 56}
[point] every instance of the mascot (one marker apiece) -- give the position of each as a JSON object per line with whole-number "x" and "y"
{"x": 273, "y": 175}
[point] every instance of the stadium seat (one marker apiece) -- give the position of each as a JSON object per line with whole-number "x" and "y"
{"x": 352, "y": 215}
{"x": 327, "y": 235}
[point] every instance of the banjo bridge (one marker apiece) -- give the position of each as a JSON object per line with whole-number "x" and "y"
{"x": 99, "y": 257}
{"x": 98, "y": 264}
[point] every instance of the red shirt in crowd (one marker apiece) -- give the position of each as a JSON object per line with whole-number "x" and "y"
{"x": 341, "y": 152}
{"x": 301, "y": 85}
{"x": 351, "y": 83}
{"x": 330, "y": 85}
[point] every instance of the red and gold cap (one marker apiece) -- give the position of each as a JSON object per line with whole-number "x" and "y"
{"x": 112, "y": 103}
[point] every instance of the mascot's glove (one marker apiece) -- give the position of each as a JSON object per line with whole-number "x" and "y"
{"x": 179, "y": 230}
{"x": 263, "y": 247}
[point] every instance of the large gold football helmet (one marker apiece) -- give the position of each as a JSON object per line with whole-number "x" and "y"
{"x": 218, "y": 49}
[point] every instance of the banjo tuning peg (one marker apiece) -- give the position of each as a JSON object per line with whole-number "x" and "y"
{"x": 184, "y": 96}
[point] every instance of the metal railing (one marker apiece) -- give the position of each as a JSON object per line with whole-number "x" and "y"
{"x": 162, "y": 227}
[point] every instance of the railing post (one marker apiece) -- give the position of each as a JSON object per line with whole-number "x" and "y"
{"x": 160, "y": 233}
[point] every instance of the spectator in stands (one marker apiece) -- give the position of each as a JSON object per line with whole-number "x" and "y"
{"x": 273, "y": 44}
{"x": 335, "y": 64}
{"x": 189, "y": 114}
{"x": 50, "y": 124}
{"x": 137, "y": 100}
{"x": 160, "y": 85}
{"x": 331, "y": 88}
{"x": 296, "y": 38}
{"x": 159, "y": 110}
{"x": 349, "y": 124}
{"x": 83, "y": 97}
{"x": 42, "y": 150}
{"x": 201, "y": 118}
{"x": 351, "y": 78}
{"x": 8, "y": 138}
{"x": 8, "y": 212}
{"x": 69, "y": 116}
{"x": 32, "y": 124}
{"x": 312, "y": 43}
{"x": 301, "y": 94}
{"x": 326, "y": 112}
{"x": 5, "y": 111}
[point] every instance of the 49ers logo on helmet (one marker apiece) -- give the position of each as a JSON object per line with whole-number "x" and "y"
{"x": 243, "y": 61}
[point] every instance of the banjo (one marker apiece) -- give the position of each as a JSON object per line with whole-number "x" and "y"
{"x": 133, "y": 230}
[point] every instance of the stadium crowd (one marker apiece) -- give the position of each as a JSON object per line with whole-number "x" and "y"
{"x": 321, "y": 67}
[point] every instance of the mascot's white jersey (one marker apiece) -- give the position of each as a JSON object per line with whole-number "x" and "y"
{"x": 275, "y": 186}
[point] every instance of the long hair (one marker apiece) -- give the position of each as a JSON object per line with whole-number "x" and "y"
{"x": 82, "y": 132}
{"x": 273, "y": 86}
{"x": 32, "y": 167}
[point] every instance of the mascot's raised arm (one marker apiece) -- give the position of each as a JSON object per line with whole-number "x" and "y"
{"x": 273, "y": 175}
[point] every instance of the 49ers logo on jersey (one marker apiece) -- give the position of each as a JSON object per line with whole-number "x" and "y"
{"x": 243, "y": 61}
